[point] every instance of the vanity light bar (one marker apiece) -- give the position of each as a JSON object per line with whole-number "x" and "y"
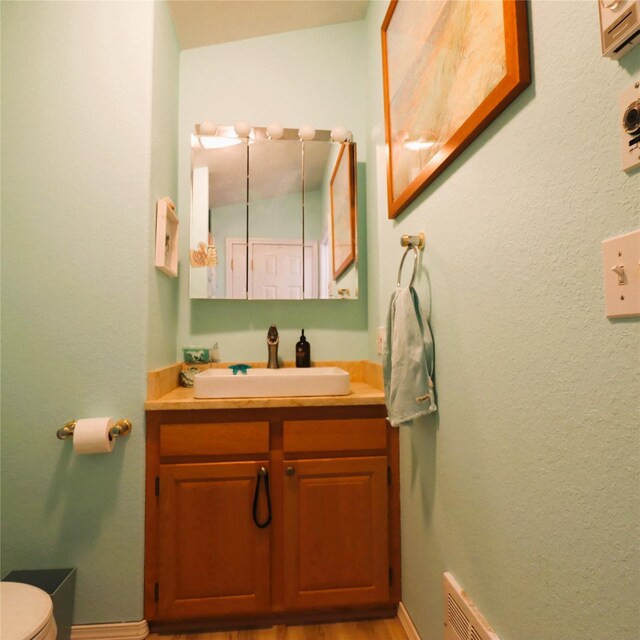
{"x": 260, "y": 133}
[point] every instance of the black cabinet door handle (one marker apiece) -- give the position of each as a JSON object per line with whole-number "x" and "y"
{"x": 262, "y": 474}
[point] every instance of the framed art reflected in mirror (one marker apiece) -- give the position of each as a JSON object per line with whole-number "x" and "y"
{"x": 343, "y": 211}
{"x": 449, "y": 68}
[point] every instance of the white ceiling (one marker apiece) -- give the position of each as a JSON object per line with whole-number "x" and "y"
{"x": 203, "y": 22}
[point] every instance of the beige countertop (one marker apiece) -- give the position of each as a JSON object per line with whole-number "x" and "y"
{"x": 164, "y": 392}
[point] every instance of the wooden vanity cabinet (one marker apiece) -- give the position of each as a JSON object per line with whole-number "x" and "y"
{"x": 331, "y": 549}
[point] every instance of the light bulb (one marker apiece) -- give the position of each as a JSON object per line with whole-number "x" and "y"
{"x": 419, "y": 145}
{"x": 339, "y": 134}
{"x": 242, "y": 129}
{"x": 218, "y": 142}
{"x": 307, "y": 132}
{"x": 275, "y": 131}
{"x": 207, "y": 128}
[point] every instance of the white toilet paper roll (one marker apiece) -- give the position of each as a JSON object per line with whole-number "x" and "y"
{"x": 91, "y": 435}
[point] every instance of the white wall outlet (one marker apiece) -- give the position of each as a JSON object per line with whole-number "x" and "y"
{"x": 630, "y": 127}
{"x": 621, "y": 257}
{"x": 380, "y": 342}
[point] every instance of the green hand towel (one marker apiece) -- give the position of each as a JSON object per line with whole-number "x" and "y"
{"x": 407, "y": 360}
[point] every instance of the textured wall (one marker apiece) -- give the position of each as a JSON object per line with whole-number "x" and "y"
{"x": 525, "y": 484}
{"x": 313, "y": 76}
{"x": 163, "y": 291}
{"x": 78, "y": 193}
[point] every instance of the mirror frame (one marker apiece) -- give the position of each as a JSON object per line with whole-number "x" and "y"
{"x": 342, "y": 206}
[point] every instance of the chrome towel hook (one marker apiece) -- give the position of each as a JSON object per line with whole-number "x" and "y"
{"x": 411, "y": 243}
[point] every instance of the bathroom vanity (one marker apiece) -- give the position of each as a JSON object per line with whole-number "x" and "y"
{"x": 322, "y": 543}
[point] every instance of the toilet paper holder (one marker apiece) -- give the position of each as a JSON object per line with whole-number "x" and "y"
{"x": 120, "y": 428}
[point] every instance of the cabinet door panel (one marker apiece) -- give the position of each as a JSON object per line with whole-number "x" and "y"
{"x": 213, "y": 559}
{"x": 336, "y": 532}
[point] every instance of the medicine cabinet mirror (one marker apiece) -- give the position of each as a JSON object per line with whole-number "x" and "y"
{"x": 272, "y": 219}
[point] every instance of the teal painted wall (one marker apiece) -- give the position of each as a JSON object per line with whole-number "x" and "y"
{"x": 87, "y": 92}
{"x": 313, "y": 76}
{"x": 525, "y": 484}
{"x": 163, "y": 290}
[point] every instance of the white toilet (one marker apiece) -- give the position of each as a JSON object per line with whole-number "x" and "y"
{"x": 26, "y": 613}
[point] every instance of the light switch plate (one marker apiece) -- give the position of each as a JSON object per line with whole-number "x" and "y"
{"x": 380, "y": 341}
{"x": 621, "y": 258}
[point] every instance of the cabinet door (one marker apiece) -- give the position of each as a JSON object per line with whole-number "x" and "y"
{"x": 336, "y": 549}
{"x": 213, "y": 559}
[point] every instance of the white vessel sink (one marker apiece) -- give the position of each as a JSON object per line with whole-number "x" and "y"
{"x": 264, "y": 383}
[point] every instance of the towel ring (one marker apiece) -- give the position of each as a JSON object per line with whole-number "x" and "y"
{"x": 415, "y": 243}
{"x": 415, "y": 264}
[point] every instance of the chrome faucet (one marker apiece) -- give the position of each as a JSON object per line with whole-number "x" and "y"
{"x": 272, "y": 343}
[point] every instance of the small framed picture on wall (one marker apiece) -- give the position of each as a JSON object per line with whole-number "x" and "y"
{"x": 166, "y": 237}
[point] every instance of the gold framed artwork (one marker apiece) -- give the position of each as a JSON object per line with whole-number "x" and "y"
{"x": 343, "y": 210}
{"x": 449, "y": 68}
{"x": 167, "y": 222}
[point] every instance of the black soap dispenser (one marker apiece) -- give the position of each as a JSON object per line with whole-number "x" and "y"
{"x": 303, "y": 352}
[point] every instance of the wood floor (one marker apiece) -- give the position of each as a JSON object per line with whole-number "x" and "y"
{"x": 363, "y": 630}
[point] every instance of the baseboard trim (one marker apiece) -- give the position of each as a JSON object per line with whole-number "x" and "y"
{"x": 407, "y": 623}
{"x": 111, "y": 631}
{"x": 140, "y": 630}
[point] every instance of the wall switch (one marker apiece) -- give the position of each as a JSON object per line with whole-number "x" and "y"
{"x": 621, "y": 257}
{"x": 380, "y": 342}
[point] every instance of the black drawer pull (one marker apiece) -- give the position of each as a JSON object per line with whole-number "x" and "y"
{"x": 262, "y": 473}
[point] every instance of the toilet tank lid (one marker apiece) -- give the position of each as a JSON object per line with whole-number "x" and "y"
{"x": 25, "y": 610}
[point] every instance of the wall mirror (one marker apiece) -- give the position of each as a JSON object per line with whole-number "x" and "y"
{"x": 272, "y": 219}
